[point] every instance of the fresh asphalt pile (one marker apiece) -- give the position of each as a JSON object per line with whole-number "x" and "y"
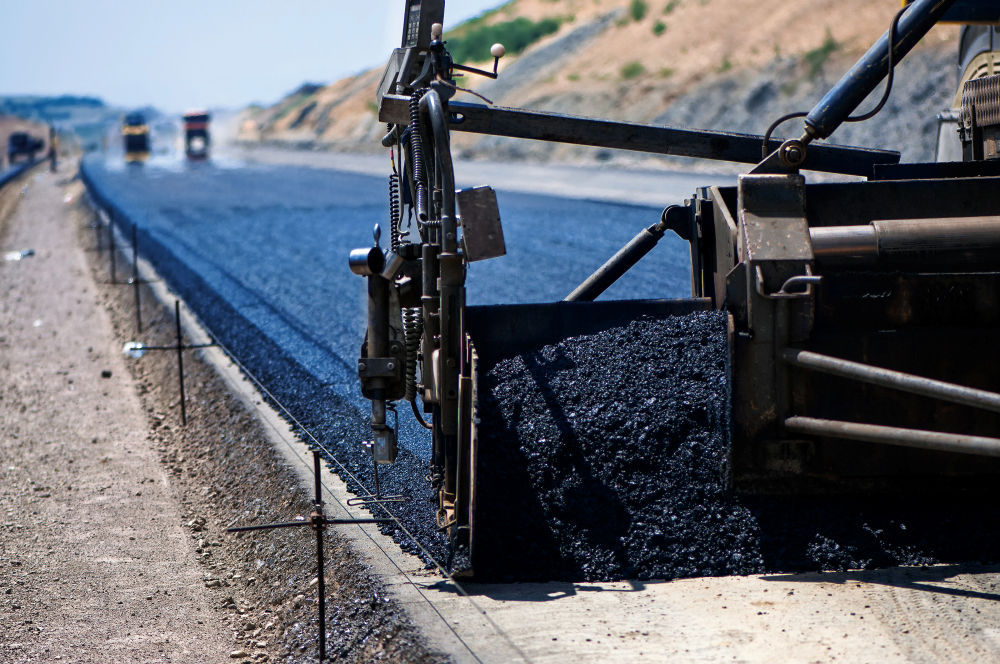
{"x": 604, "y": 457}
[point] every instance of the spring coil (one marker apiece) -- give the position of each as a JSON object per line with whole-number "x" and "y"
{"x": 394, "y": 212}
{"x": 413, "y": 330}
{"x": 417, "y": 153}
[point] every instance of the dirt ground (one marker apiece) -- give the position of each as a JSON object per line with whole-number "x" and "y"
{"x": 113, "y": 544}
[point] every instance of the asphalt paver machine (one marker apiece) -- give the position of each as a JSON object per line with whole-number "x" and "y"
{"x": 864, "y": 314}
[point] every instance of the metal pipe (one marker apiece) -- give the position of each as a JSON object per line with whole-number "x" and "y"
{"x": 561, "y": 128}
{"x": 835, "y": 107}
{"x": 961, "y": 242}
{"x": 180, "y": 360}
{"x": 135, "y": 280}
{"x": 834, "y": 243}
{"x": 321, "y": 587}
{"x": 617, "y": 265}
{"x": 111, "y": 251}
{"x": 874, "y": 433}
{"x": 960, "y": 239}
{"x": 897, "y": 380}
{"x": 433, "y": 108}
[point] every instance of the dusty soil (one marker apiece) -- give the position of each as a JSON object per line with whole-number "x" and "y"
{"x": 114, "y": 544}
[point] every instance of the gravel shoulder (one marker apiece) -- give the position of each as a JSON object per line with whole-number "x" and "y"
{"x": 96, "y": 565}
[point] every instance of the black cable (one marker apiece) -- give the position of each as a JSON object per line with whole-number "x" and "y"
{"x": 892, "y": 66}
{"x": 419, "y": 417}
{"x": 893, "y": 28}
{"x": 774, "y": 125}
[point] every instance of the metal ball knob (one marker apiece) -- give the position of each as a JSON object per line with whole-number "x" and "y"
{"x": 436, "y": 30}
{"x": 497, "y": 50}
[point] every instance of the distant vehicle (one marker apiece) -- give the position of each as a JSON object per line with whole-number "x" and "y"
{"x": 196, "y": 138}
{"x": 135, "y": 134}
{"x": 22, "y": 143}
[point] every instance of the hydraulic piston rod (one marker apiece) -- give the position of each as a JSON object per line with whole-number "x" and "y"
{"x": 898, "y": 380}
{"x": 873, "y": 433}
{"x": 834, "y": 108}
{"x": 959, "y": 242}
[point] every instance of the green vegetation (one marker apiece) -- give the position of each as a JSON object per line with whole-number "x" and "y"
{"x": 573, "y": 77}
{"x": 659, "y": 28}
{"x": 637, "y": 10}
{"x": 671, "y": 6}
{"x": 817, "y": 57}
{"x": 633, "y": 69}
{"x": 472, "y": 43}
{"x": 666, "y": 72}
{"x": 725, "y": 65}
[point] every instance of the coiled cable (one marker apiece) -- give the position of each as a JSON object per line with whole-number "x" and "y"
{"x": 394, "y": 212}
{"x": 417, "y": 155}
{"x": 413, "y": 330}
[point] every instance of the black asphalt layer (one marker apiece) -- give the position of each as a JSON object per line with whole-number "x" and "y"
{"x": 260, "y": 255}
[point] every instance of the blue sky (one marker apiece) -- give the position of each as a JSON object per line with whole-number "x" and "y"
{"x": 181, "y": 54}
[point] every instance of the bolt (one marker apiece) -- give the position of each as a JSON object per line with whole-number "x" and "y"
{"x": 390, "y": 365}
{"x": 793, "y": 154}
{"x": 362, "y": 366}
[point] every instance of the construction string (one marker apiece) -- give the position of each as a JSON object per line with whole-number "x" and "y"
{"x": 440, "y": 568}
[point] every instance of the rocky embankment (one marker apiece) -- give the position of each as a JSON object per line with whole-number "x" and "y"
{"x": 677, "y": 62}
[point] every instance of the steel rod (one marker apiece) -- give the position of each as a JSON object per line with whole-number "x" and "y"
{"x": 725, "y": 146}
{"x": 617, "y": 265}
{"x": 897, "y": 380}
{"x": 135, "y": 280}
{"x": 321, "y": 586}
{"x": 874, "y": 433}
{"x": 180, "y": 359}
{"x": 111, "y": 247}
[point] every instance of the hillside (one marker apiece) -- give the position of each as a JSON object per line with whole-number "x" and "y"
{"x": 722, "y": 64}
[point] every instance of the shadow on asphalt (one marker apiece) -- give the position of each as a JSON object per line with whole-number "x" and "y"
{"x": 539, "y": 592}
{"x": 913, "y": 578}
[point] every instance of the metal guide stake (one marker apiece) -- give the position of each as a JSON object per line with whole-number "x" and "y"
{"x": 111, "y": 246}
{"x": 318, "y": 521}
{"x": 377, "y": 498}
{"x": 135, "y": 280}
{"x": 136, "y": 349}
